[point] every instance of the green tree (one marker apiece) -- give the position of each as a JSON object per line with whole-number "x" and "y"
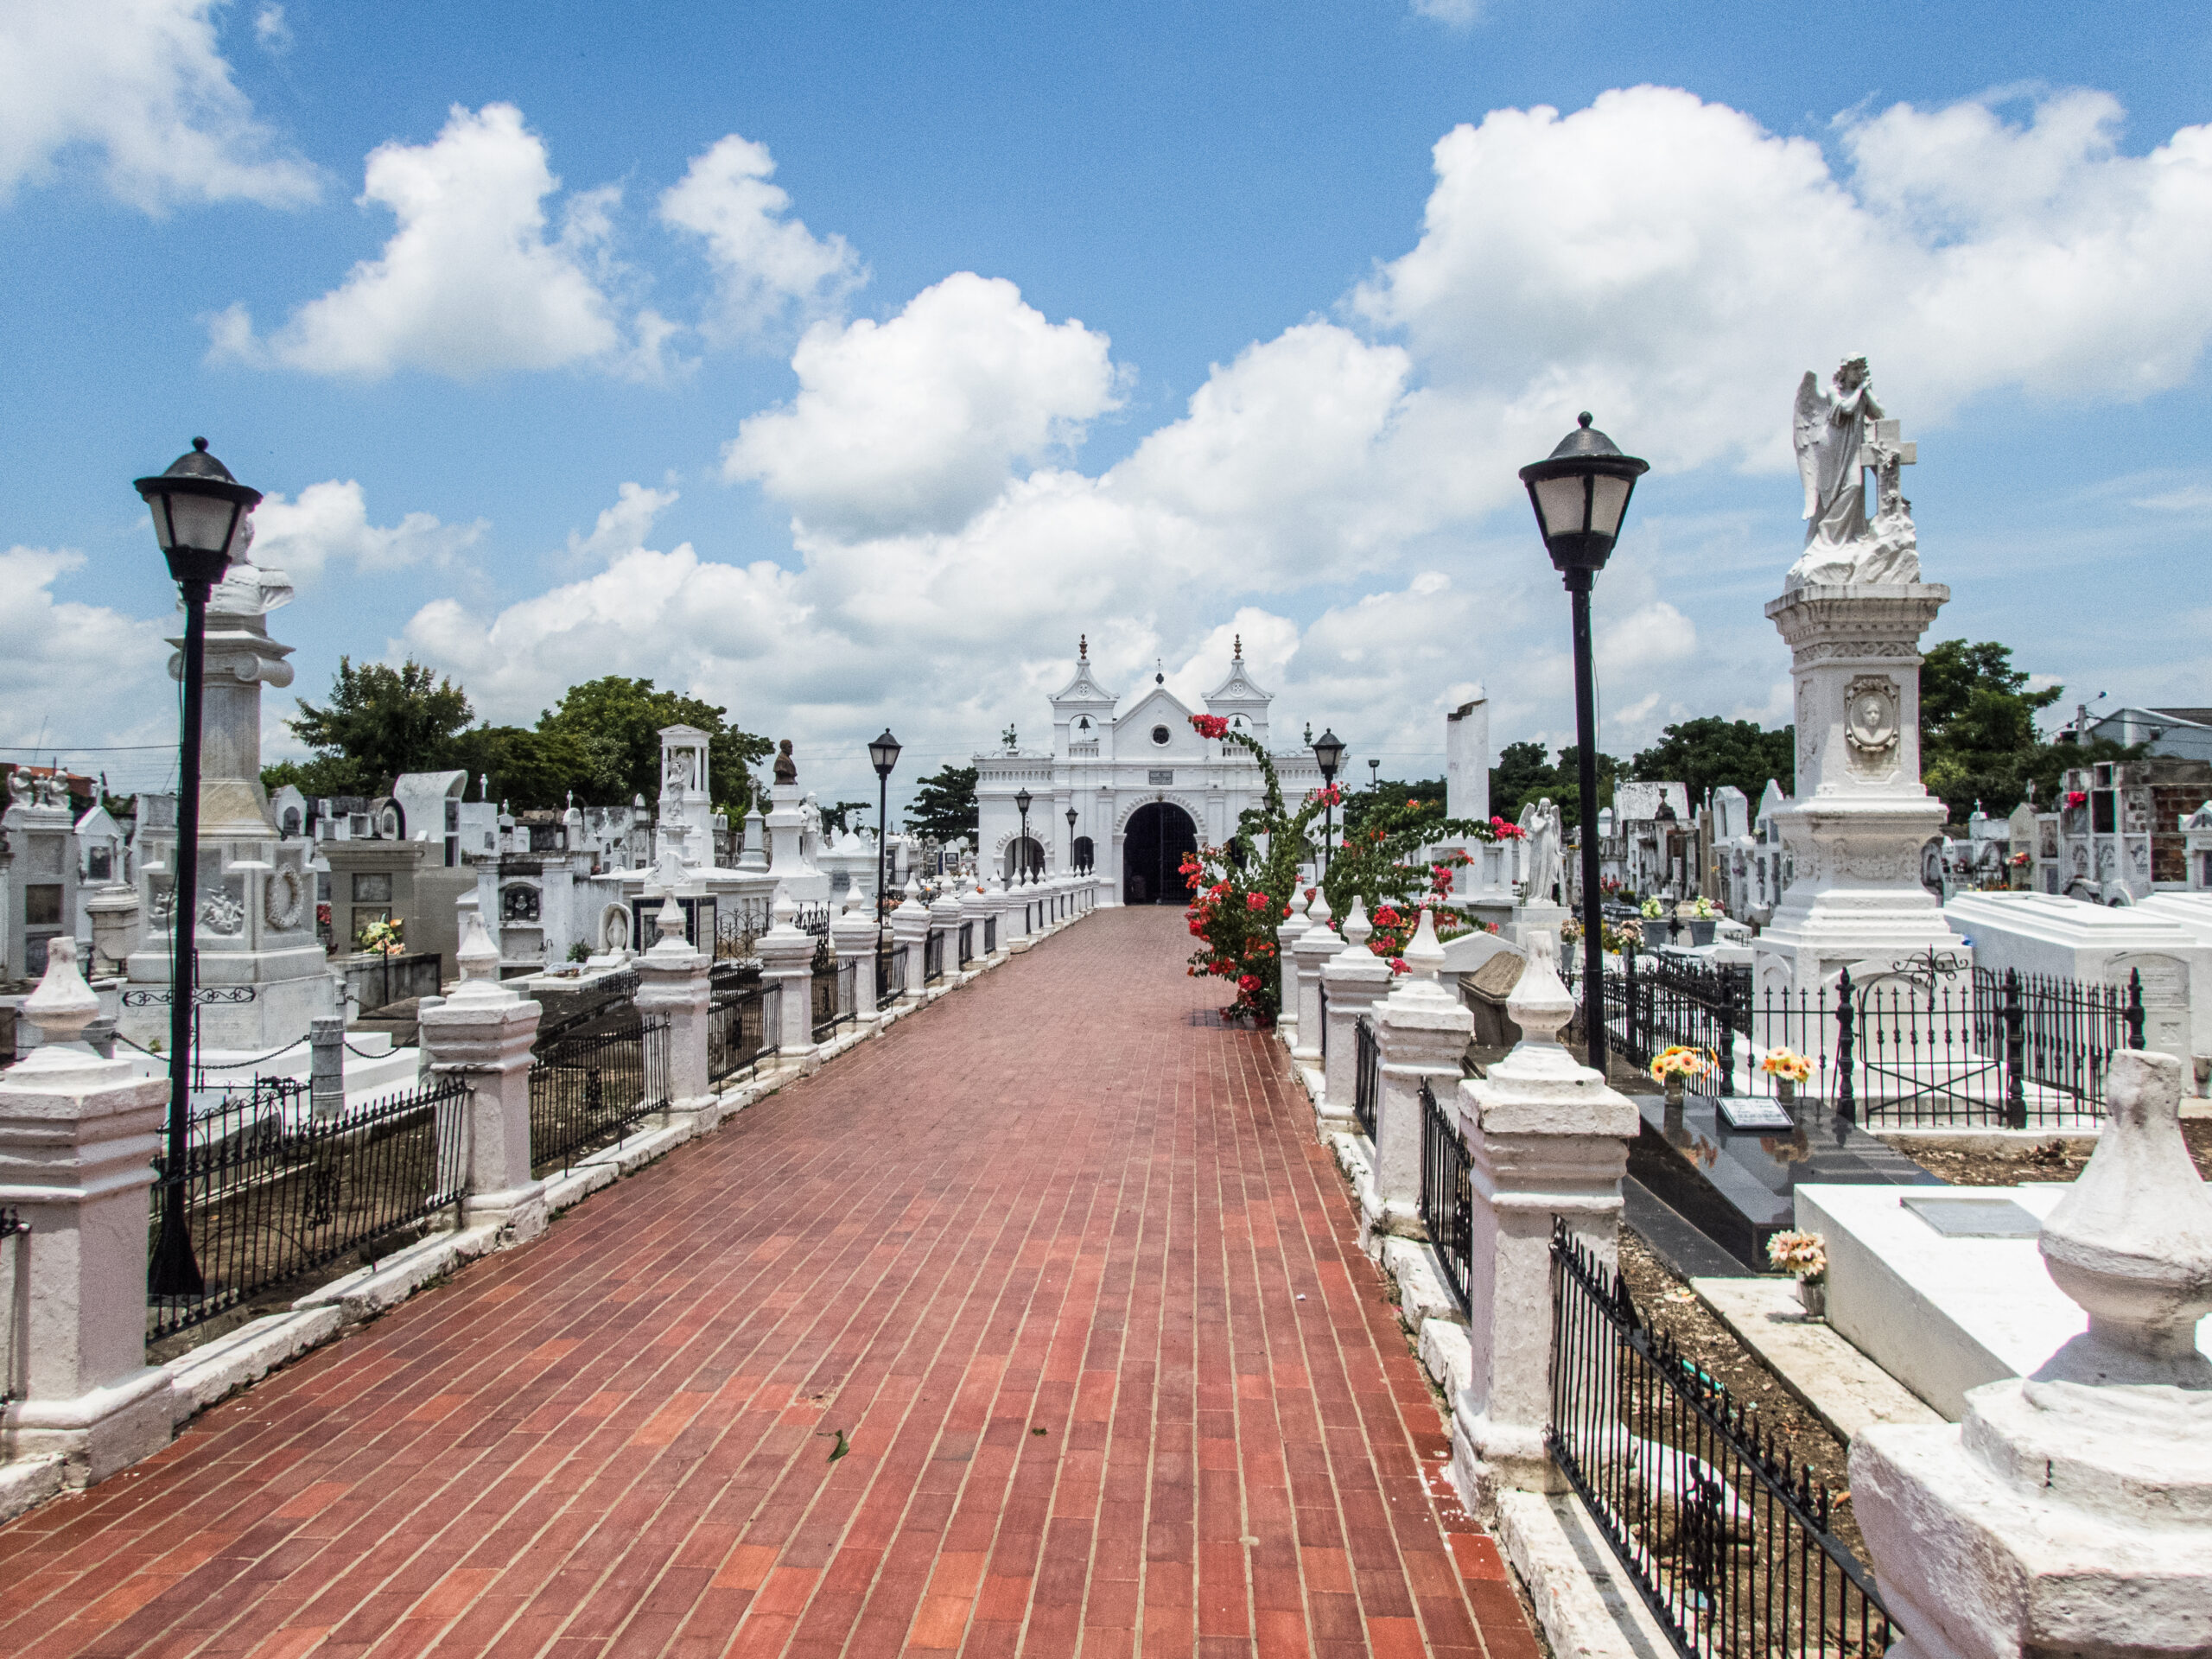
{"x": 614, "y": 725}
{"x": 1390, "y": 794}
{"x": 1978, "y": 737}
{"x": 380, "y": 722}
{"x": 945, "y": 806}
{"x": 1522, "y": 775}
{"x": 839, "y": 812}
{"x": 1707, "y": 752}
{"x": 527, "y": 769}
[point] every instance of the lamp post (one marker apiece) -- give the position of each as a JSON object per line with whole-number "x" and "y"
{"x": 198, "y": 508}
{"x": 883, "y": 754}
{"x": 1580, "y": 493}
{"x": 1329, "y": 750}
{"x": 1374, "y": 776}
{"x": 1022, "y": 802}
{"x": 1070, "y": 839}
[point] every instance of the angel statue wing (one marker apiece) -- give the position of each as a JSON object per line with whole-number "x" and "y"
{"x": 1807, "y": 426}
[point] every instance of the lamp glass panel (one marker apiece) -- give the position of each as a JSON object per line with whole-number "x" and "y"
{"x": 1559, "y": 504}
{"x": 200, "y": 521}
{"x": 1608, "y": 501}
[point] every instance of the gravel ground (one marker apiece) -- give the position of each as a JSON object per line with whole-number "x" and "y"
{"x": 2046, "y": 1161}
{"x": 1668, "y": 1304}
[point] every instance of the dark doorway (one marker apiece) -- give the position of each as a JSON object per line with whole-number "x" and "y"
{"x": 1152, "y": 854}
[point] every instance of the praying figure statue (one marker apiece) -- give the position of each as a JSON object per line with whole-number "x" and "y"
{"x": 1540, "y": 822}
{"x": 1839, "y": 440}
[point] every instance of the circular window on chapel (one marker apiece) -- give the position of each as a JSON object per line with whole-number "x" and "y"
{"x": 1161, "y": 734}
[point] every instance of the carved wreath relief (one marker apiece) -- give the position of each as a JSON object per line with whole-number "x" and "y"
{"x": 283, "y": 898}
{"x": 1869, "y": 721}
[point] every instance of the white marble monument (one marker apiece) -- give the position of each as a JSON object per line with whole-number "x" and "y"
{"x": 1853, "y": 610}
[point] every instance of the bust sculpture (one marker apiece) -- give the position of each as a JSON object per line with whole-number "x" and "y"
{"x": 787, "y": 768}
{"x": 1839, "y": 439}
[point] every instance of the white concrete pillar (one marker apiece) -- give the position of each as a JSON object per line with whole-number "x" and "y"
{"x": 2070, "y": 1512}
{"x": 1357, "y": 980}
{"x": 944, "y": 921}
{"x": 1421, "y": 1031}
{"x": 910, "y": 929}
{"x": 852, "y": 936}
{"x": 975, "y": 911}
{"x": 1288, "y": 932}
{"x": 1546, "y": 1141}
{"x": 77, "y": 1138}
{"x": 787, "y": 960}
{"x": 673, "y": 985}
{"x": 482, "y": 1034}
{"x": 1315, "y": 946}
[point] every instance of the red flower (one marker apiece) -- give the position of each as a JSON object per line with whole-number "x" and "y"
{"x": 1249, "y": 983}
{"x": 1398, "y": 965}
{"x": 1255, "y": 901}
{"x": 1210, "y": 725}
{"x": 2076, "y": 798}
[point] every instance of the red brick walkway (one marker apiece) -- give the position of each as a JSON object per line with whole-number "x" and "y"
{"x": 1061, "y": 1260}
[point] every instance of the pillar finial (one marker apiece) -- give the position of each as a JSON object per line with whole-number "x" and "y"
{"x": 1083, "y": 647}
{"x": 1236, "y": 650}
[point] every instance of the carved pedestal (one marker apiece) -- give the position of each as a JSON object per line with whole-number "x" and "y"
{"x": 1861, "y": 816}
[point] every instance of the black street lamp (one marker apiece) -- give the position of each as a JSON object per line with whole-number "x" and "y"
{"x": 1071, "y": 838}
{"x": 1580, "y": 493}
{"x": 1374, "y": 776}
{"x": 883, "y": 754}
{"x": 198, "y": 508}
{"x": 1022, "y": 802}
{"x": 1329, "y": 750}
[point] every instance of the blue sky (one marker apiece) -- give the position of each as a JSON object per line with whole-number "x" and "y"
{"x": 1123, "y": 321}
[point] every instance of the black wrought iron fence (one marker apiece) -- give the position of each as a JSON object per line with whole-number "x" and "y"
{"x": 1927, "y": 1041}
{"x": 586, "y": 1090}
{"x": 1367, "y": 1076}
{"x": 15, "y": 1239}
{"x": 990, "y": 936}
{"x": 1728, "y": 1542}
{"x": 967, "y": 945}
{"x": 933, "y": 957}
{"x": 834, "y": 992}
{"x": 1447, "y": 1196}
{"x": 743, "y": 1028}
{"x": 890, "y": 975}
{"x": 271, "y": 1191}
{"x": 738, "y": 923}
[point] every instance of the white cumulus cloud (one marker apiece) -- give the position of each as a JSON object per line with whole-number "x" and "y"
{"x": 1671, "y": 264}
{"x": 916, "y": 423}
{"x": 139, "y": 89}
{"x": 46, "y": 644}
{"x": 767, "y": 266}
{"x": 329, "y": 523}
{"x": 472, "y": 282}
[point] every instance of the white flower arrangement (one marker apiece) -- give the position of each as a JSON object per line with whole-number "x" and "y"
{"x": 1804, "y": 1254}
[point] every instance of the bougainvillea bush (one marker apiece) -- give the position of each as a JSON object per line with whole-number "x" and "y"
{"x": 1384, "y": 864}
{"x": 1241, "y": 893}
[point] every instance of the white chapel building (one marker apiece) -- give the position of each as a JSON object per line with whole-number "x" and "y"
{"x": 1144, "y": 787}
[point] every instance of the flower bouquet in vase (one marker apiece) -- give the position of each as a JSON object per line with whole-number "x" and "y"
{"x": 1789, "y": 1070}
{"x": 1676, "y": 1066}
{"x": 1806, "y": 1255}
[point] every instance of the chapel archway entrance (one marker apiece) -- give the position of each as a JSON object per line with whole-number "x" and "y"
{"x": 1152, "y": 846}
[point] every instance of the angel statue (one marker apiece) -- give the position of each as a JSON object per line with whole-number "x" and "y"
{"x": 1838, "y": 439}
{"x": 247, "y": 589}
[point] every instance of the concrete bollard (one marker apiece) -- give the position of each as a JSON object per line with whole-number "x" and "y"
{"x": 482, "y": 1034}
{"x": 1315, "y": 946}
{"x": 326, "y": 1065}
{"x": 1355, "y": 980}
{"x": 1546, "y": 1141}
{"x": 1421, "y": 1031}
{"x": 787, "y": 960}
{"x": 673, "y": 985}
{"x": 77, "y": 1138}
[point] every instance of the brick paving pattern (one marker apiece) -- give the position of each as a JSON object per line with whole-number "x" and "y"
{"x": 1059, "y": 1262}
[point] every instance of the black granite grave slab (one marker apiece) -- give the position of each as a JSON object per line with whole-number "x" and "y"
{"x": 1736, "y": 1186}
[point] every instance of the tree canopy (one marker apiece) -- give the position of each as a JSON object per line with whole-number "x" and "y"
{"x": 1522, "y": 775}
{"x": 944, "y": 804}
{"x": 1978, "y": 737}
{"x": 1708, "y": 753}
{"x": 602, "y": 742}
